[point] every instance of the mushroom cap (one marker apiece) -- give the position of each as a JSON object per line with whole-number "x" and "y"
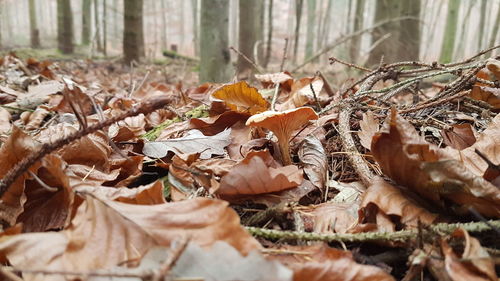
{"x": 283, "y": 123}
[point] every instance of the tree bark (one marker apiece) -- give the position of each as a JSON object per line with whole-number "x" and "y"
{"x": 133, "y": 34}
{"x": 164, "y": 43}
{"x": 482, "y": 23}
{"x": 494, "y": 30}
{"x": 1, "y": 17}
{"x": 311, "y": 16}
{"x": 104, "y": 31}
{"x": 298, "y": 16}
{"x": 249, "y": 32}
{"x": 97, "y": 34}
{"x": 269, "y": 33}
{"x": 215, "y": 59}
{"x": 34, "y": 32}
{"x": 86, "y": 19}
{"x": 409, "y": 31}
{"x": 357, "y": 25}
{"x": 64, "y": 26}
{"x": 450, "y": 31}
{"x": 464, "y": 32}
{"x": 194, "y": 9}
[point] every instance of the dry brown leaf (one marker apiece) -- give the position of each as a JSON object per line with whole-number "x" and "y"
{"x": 242, "y": 98}
{"x": 17, "y": 147}
{"x": 269, "y": 80}
{"x": 369, "y": 127}
{"x": 493, "y": 65}
{"x": 472, "y": 263}
{"x": 331, "y": 217}
{"x": 150, "y": 194}
{"x": 313, "y": 157}
{"x": 460, "y": 136}
{"x": 128, "y": 129}
{"x": 121, "y": 232}
{"x": 429, "y": 171}
{"x": 213, "y": 125}
{"x": 302, "y": 93}
{"x": 5, "y": 117}
{"x": 391, "y": 201}
{"x": 259, "y": 173}
{"x": 322, "y": 263}
{"x": 486, "y": 94}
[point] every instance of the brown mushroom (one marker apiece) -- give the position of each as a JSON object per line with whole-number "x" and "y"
{"x": 283, "y": 124}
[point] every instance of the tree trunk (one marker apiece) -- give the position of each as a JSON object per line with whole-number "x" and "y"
{"x": 409, "y": 31}
{"x": 464, "y": 32}
{"x": 358, "y": 25}
{"x": 215, "y": 59}
{"x": 450, "y": 31}
{"x": 325, "y": 30}
{"x": 298, "y": 16}
{"x": 1, "y": 17}
{"x": 311, "y": 16}
{"x": 482, "y": 23}
{"x": 194, "y": 9}
{"x": 86, "y": 19}
{"x": 133, "y": 34}
{"x": 96, "y": 24}
{"x": 164, "y": 45}
{"x": 269, "y": 33}
{"x": 34, "y": 32}
{"x": 64, "y": 26}
{"x": 104, "y": 31}
{"x": 249, "y": 32}
{"x": 494, "y": 30}
{"x": 403, "y": 42}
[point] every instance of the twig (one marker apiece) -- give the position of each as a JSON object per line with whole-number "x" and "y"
{"x": 275, "y": 96}
{"x": 398, "y": 236}
{"x": 349, "y": 64}
{"x": 284, "y": 55}
{"x": 247, "y": 59}
{"x": 473, "y": 57}
{"x": 145, "y": 108}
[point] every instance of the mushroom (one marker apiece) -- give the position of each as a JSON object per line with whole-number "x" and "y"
{"x": 283, "y": 124}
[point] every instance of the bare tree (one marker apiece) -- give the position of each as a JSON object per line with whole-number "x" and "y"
{"x": 86, "y": 19}
{"x": 97, "y": 34}
{"x": 269, "y": 43}
{"x": 450, "y": 31}
{"x": 298, "y": 16}
{"x": 357, "y": 25}
{"x": 104, "y": 31}
{"x": 34, "y": 32}
{"x": 64, "y": 26}
{"x": 215, "y": 60}
{"x": 133, "y": 34}
{"x": 194, "y": 9}
{"x": 249, "y": 32}
{"x": 311, "y": 16}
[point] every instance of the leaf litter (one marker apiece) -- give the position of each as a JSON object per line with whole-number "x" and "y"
{"x": 172, "y": 192}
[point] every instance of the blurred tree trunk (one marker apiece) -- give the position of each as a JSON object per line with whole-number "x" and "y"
{"x": 494, "y": 30}
{"x": 104, "y": 31}
{"x": 357, "y": 25}
{"x": 1, "y": 17}
{"x": 64, "y": 26}
{"x": 194, "y": 9}
{"x": 215, "y": 60}
{"x": 464, "y": 32}
{"x": 325, "y": 26}
{"x": 482, "y": 23}
{"x": 269, "y": 43}
{"x": 450, "y": 31}
{"x": 116, "y": 19}
{"x": 396, "y": 41}
{"x": 388, "y": 48}
{"x": 311, "y": 16}
{"x": 97, "y": 34}
{"x": 249, "y": 32}
{"x": 34, "y": 32}
{"x": 86, "y": 19}
{"x": 298, "y": 16}
{"x": 409, "y": 31}
{"x": 164, "y": 43}
{"x": 133, "y": 34}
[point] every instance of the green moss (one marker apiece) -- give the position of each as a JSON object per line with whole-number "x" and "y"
{"x": 152, "y": 134}
{"x": 197, "y": 112}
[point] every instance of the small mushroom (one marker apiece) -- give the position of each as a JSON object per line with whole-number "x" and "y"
{"x": 283, "y": 124}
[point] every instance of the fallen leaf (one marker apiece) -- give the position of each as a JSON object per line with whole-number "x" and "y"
{"x": 486, "y": 94}
{"x": 122, "y": 232}
{"x": 210, "y": 126}
{"x": 303, "y": 92}
{"x": 5, "y": 117}
{"x": 242, "y": 98}
{"x": 472, "y": 263}
{"x": 369, "y": 127}
{"x": 259, "y": 173}
{"x": 460, "y": 136}
{"x": 150, "y": 194}
{"x": 313, "y": 157}
{"x": 193, "y": 142}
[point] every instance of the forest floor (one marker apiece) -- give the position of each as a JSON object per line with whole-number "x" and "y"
{"x": 112, "y": 172}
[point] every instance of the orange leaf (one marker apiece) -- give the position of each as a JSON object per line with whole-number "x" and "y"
{"x": 259, "y": 173}
{"x": 241, "y": 97}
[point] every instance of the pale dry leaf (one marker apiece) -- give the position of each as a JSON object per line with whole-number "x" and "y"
{"x": 369, "y": 127}
{"x": 193, "y": 142}
{"x": 313, "y": 157}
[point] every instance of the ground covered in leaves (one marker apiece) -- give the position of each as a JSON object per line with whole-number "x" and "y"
{"x": 117, "y": 173}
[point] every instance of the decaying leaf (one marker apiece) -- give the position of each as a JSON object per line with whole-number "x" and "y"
{"x": 487, "y": 94}
{"x": 460, "y": 136}
{"x": 433, "y": 173}
{"x": 313, "y": 156}
{"x": 369, "y": 127}
{"x": 241, "y": 97}
{"x": 259, "y": 173}
{"x": 193, "y": 142}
